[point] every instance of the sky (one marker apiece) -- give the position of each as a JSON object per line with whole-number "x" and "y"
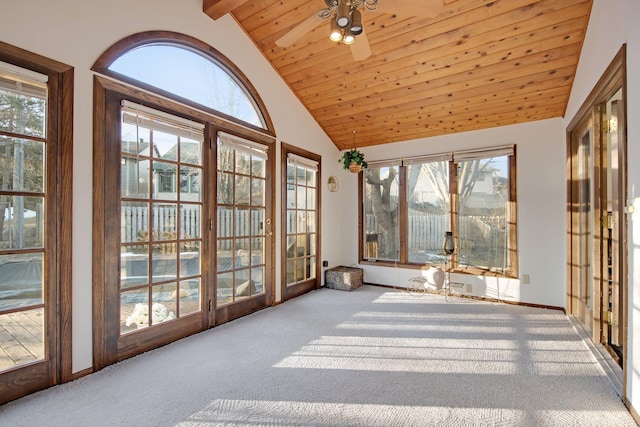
{"x": 189, "y": 75}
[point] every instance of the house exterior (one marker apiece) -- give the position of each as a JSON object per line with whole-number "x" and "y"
{"x": 77, "y": 33}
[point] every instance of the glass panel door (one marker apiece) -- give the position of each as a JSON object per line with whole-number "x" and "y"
{"x": 161, "y": 214}
{"x": 23, "y": 198}
{"x": 301, "y": 213}
{"x": 242, "y": 222}
{"x": 614, "y": 251}
{"x": 583, "y": 235}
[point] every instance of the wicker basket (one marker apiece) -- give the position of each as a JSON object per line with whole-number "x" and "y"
{"x": 355, "y": 167}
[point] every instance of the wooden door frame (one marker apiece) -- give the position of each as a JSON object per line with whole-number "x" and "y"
{"x": 613, "y": 79}
{"x": 108, "y": 346}
{"x": 577, "y": 219}
{"x": 226, "y": 313}
{"x": 59, "y": 172}
{"x": 289, "y": 292}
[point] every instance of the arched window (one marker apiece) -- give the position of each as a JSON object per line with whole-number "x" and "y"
{"x": 183, "y": 194}
{"x": 178, "y": 66}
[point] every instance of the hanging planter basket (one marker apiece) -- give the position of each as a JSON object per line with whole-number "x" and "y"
{"x": 355, "y": 167}
{"x": 353, "y": 161}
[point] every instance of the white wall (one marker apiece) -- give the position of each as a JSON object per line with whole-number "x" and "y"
{"x": 612, "y": 24}
{"x": 541, "y": 192}
{"x": 77, "y": 32}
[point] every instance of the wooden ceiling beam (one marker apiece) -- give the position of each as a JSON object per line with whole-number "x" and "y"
{"x": 218, "y": 8}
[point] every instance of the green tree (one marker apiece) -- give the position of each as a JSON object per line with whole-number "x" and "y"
{"x": 385, "y": 211}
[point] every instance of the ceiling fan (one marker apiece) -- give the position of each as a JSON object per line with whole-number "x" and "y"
{"x": 345, "y": 20}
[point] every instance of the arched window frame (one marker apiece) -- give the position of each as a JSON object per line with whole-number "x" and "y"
{"x": 109, "y": 345}
{"x": 148, "y": 38}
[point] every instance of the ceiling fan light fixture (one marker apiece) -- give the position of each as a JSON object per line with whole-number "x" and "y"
{"x": 356, "y": 22}
{"x": 348, "y": 38}
{"x": 335, "y": 34}
{"x": 343, "y": 14}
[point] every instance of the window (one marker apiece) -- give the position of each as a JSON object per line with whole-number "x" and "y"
{"x": 202, "y": 80}
{"x": 382, "y": 212}
{"x": 183, "y": 195}
{"x": 428, "y": 208}
{"x": 408, "y": 205}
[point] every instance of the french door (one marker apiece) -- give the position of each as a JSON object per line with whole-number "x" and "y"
{"x": 583, "y": 237}
{"x": 244, "y": 227}
{"x": 597, "y": 221}
{"x": 186, "y": 228}
{"x": 300, "y": 221}
{"x": 34, "y": 240}
{"x": 614, "y": 227}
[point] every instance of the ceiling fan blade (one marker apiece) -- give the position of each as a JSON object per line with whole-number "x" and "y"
{"x": 299, "y": 30}
{"x": 419, "y": 8}
{"x": 360, "y": 49}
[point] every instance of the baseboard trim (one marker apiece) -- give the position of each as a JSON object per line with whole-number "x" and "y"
{"x": 80, "y": 374}
{"x": 632, "y": 411}
{"x": 610, "y": 367}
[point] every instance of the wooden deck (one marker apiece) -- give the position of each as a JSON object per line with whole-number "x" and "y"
{"x": 21, "y": 338}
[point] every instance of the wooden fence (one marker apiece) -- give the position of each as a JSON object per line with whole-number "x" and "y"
{"x": 426, "y": 231}
{"x": 166, "y": 219}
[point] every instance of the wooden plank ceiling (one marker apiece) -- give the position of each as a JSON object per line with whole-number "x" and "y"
{"x": 477, "y": 64}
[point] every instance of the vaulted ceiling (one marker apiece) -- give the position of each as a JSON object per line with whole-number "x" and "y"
{"x": 476, "y": 64}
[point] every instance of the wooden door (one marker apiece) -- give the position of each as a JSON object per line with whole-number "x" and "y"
{"x": 613, "y": 309}
{"x": 581, "y": 231}
{"x": 300, "y": 221}
{"x": 244, "y": 227}
{"x": 34, "y": 240}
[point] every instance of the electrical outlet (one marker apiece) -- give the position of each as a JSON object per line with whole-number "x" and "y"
{"x": 526, "y": 279}
{"x": 325, "y": 263}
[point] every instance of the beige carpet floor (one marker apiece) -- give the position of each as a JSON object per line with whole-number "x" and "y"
{"x": 371, "y": 357}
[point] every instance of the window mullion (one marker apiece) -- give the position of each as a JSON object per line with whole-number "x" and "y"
{"x": 453, "y": 207}
{"x": 404, "y": 216}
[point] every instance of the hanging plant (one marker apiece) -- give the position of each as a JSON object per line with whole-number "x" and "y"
{"x": 353, "y": 160}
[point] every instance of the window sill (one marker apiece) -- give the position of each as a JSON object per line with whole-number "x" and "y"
{"x": 457, "y": 270}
